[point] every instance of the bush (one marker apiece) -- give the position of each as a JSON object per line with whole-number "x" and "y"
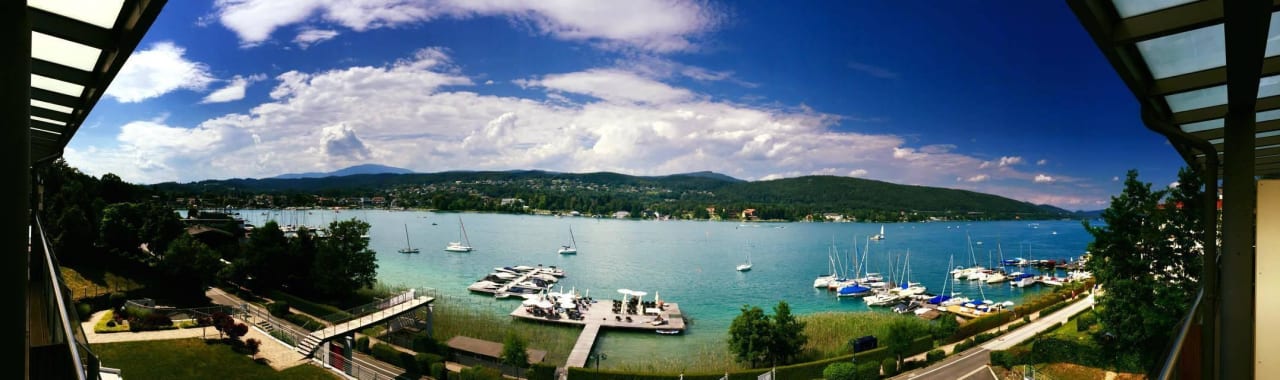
{"x": 935, "y": 355}
{"x": 980, "y": 324}
{"x": 386, "y": 353}
{"x": 278, "y": 308}
{"x": 425, "y": 343}
{"x": 984, "y": 337}
{"x": 84, "y": 310}
{"x": 117, "y": 299}
{"x": 1000, "y": 358}
{"x": 480, "y": 373}
{"x": 541, "y": 371}
{"x": 438, "y": 372}
{"x": 1085, "y": 321}
{"x": 303, "y": 321}
{"x": 362, "y": 344}
{"x": 426, "y": 359}
{"x": 840, "y": 371}
{"x": 908, "y": 365}
{"x": 889, "y": 367}
{"x": 868, "y": 371}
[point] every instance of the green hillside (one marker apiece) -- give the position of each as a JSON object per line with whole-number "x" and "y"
{"x": 681, "y": 196}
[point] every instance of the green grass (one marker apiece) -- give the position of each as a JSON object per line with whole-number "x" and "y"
{"x": 82, "y": 285}
{"x": 194, "y": 359}
{"x": 101, "y": 326}
{"x": 829, "y": 332}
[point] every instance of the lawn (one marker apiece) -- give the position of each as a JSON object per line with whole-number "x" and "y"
{"x": 194, "y": 359}
{"x": 81, "y": 285}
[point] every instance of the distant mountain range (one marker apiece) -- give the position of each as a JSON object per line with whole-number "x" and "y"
{"x": 358, "y": 169}
{"x": 691, "y": 193}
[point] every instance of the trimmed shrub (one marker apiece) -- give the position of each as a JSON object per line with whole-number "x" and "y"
{"x": 980, "y": 324}
{"x": 386, "y": 353}
{"x": 868, "y": 371}
{"x": 117, "y": 299}
{"x": 278, "y": 308}
{"x": 935, "y": 355}
{"x": 889, "y": 367}
{"x": 480, "y": 373}
{"x": 541, "y": 371}
{"x": 840, "y": 371}
{"x": 984, "y": 337}
{"x": 1085, "y": 321}
{"x": 1000, "y": 358}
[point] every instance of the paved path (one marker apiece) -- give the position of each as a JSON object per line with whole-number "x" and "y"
{"x": 972, "y": 363}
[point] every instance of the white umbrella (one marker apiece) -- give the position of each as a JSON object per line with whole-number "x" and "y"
{"x": 529, "y": 302}
{"x": 545, "y": 304}
{"x": 567, "y": 304}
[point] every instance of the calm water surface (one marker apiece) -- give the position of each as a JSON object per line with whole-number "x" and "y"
{"x": 690, "y": 262}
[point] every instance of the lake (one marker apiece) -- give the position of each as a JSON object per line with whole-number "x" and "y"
{"x": 689, "y": 262}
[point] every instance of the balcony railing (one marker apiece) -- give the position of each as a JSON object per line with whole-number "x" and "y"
{"x": 58, "y": 346}
{"x": 1183, "y": 360}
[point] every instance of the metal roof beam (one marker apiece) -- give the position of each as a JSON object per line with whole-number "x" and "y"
{"x": 1217, "y": 112}
{"x": 1168, "y": 21}
{"x": 60, "y": 72}
{"x": 1216, "y": 133}
{"x": 69, "y": 29}
{"x": 50, "y": 114}
{"x": 1204, "y": 79}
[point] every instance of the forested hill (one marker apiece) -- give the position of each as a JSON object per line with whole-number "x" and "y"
{"x": 693, "y": 195}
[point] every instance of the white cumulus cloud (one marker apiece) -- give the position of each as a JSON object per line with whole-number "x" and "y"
{"x": 420, "y": 113}
{"x": 1010, "y": 160}
{"x": 1042, "y": 162}
{"x": 158, "y": 70}
{"x": 234, "y": 90}
{"x": 1041, "y": 178}
{"x": 644, "y": 25}
{"x": 309, "y": 36}
{"x": 978, "y": 178}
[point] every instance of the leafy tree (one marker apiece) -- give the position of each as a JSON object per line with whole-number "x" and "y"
{"x": 252, "y": 346}
{"x": 750, "y": 335}
{"x": 788, "y": 334}
{"x": 514, "y": 352}
{"x": 902, "y": 333}
{"x": 190, "y": 265}
{"x": 265, "y": 254}
{"x": 344, "y": 263}
{"x": 1146, "y": 258}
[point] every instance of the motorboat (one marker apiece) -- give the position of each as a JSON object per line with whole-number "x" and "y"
{"x": 881, "y": 299}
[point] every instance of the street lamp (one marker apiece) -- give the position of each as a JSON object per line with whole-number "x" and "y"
{"x": 598, "y": 356}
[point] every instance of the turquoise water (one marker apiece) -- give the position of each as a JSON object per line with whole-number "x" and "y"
{"x": 688, "y": 262}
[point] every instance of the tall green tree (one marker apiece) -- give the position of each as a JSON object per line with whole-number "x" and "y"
{"x": 902, "y": 333}
{"x": 788, "y": 335}
{"x": 1146, "y": 257}
{"x": 190, "y": 265}
{"x": 515, "y": 352}
{"x": 750, "y": 335}
{"x": 265, "y": 255}
{"x": 344, "y": 263}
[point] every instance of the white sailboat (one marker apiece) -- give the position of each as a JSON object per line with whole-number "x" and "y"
{"x": 408, "y": 248}
{"x": 879, "y": 236}
{"x": 464, "y": 245}
{"x": 747, "y": 265}
{"x": 570, "y": 249}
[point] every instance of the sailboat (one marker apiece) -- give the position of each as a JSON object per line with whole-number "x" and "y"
{"x": 408, "y": 248}
{"x": 747, "y": 265}
{"x": 825, "y": 280}
{"x": 570, "y": 249}
{"x": 879, "y": 236}
{"x": 464, "y": 245}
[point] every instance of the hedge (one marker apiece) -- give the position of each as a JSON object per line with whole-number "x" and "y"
{"x": 981, "y": 324}
{"x": 317, "y": 309}
{"x": 810, "y": 370}
{"x": 541, "y": 371}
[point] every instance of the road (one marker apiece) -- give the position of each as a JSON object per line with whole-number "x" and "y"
{"x": 972, "y": 364}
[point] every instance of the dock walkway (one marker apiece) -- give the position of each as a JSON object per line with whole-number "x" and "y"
{"x": 582, "y": 350}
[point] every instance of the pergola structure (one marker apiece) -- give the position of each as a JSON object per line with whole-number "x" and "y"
{"x": 64, "y": 54}
{"x": 1206, "y": 74}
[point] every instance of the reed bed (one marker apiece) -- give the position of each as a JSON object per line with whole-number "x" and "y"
{"x": 829, "y": 332}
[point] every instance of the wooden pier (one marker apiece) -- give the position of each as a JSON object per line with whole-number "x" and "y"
{"x": 599, "y": 315}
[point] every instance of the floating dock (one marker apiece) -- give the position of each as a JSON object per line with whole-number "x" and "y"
{"x": 503, "y": 289}
{"x": 663, "y": 318}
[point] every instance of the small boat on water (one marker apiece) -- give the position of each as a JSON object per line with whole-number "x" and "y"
{"x": 881, "y": 299}
{"x": 668, "y": 332}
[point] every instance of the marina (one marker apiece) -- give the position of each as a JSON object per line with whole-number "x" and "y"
{"x": 693, "y": 263}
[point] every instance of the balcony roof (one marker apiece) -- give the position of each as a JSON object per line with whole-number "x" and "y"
{"x": 77, "y": 48}
{"x": 1172, "y": 54}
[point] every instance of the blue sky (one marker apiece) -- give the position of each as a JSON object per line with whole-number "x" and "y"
{"x": 1010, "y": 98}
